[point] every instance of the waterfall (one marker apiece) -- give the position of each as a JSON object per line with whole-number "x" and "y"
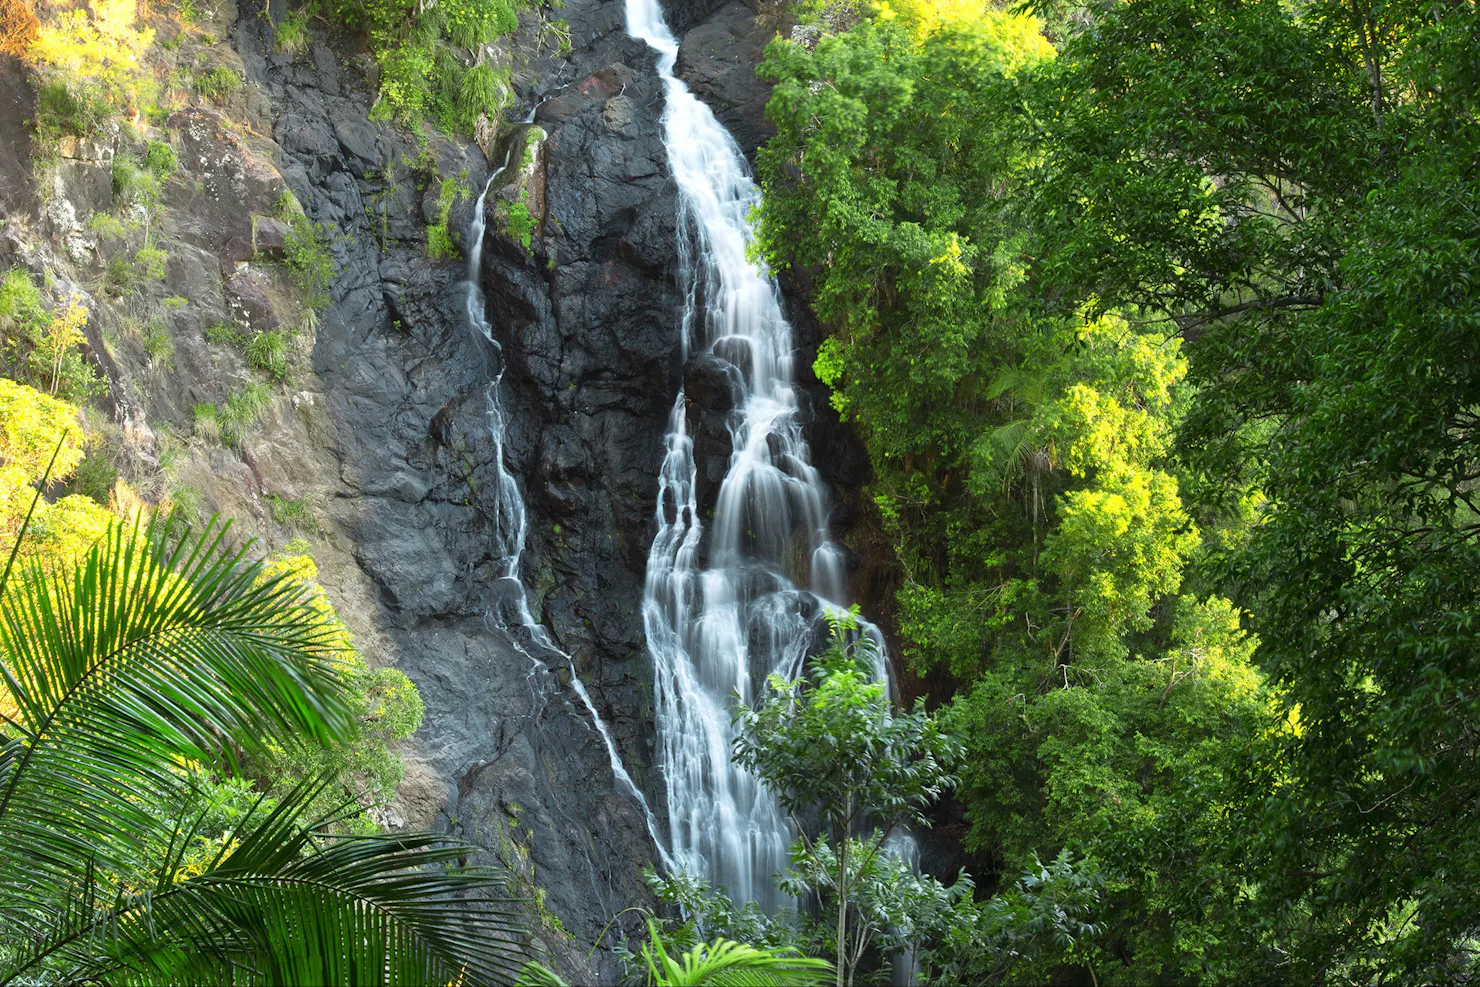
{"x": 511, "y": 613}
{"x": 717, "y": 626}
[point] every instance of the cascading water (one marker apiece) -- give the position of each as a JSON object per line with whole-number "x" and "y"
{"x": 511, "y": 613}
{"x": 716, "y": 631}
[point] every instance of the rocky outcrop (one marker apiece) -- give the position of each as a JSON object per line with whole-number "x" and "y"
{"x": 717, "y": 58}
{"x": 507, "y": 756}
{"x": 17, "y": 106}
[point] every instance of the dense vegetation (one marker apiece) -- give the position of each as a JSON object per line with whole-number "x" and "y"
{"x": 1161, "y": 340}
{"x": 1160, "y": 324}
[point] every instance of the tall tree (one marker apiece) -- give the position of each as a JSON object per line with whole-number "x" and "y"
{"x": 1021, "y": 443}
{"x": 1293, "y": 187}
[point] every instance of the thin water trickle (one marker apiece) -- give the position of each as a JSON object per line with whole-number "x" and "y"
{"x": 715, "y": 632}
{"x": 511, "y": 612}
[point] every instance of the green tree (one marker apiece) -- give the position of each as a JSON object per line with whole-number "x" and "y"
{"x": 1292, "y": 188}
{"x": 1021, "y": 437}
{"x": 834, "y": 747}
{"x": 134, "y": 681}
{"x": 41, "y": 348}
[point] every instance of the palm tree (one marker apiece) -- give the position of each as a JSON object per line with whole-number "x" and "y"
{"x": 160, "y": 656}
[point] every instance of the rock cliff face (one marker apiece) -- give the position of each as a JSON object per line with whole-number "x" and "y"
{"x": 506, "y": 757}
{"x": 386, "y": 433}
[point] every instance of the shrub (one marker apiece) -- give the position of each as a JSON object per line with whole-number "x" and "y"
{"x": 207, "y": 422}
{"x": 109, "y": 227}
{"x": 471, "y": 23}
{"x": 98, "y": 48}
{"x": 159, "y": 345}
{"x": 521, "y": 222}
{"x": 41, "y": 348}
{"x": 94, "y": 478}
{"x": 118, "y": 275}
{"x": 243, "y": 409}
{"x": 186, "y": 501}
{"x": 440, "y": 243}
{"x": 151, "y": 263}
{"x": 268, "y": 350}
{"x": 62, "y": 111}
{"x": 404, "y": 74}
{"x": 421, "y": 73}
{"x": 133, "y": 184}
{"x": 292, "y": 33}
{"x": 306, "y": 249}
{"x": 20, "y": 304}
{"x": 293, "y": 514}
{"x": 480, "y": 92}
{"x": 160, "y": 160}
{"x": 218, "y": 83}
{"x": 222, "y": 332}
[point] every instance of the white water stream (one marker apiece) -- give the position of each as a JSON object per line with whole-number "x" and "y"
{"x": 511, "y": 613}
{"x": 718, "y": 625}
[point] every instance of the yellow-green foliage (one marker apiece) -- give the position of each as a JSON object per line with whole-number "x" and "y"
{"x": 387, "y": 704}
{"x": 440, "y": 243}
{"x": 18, "y": 26}
{"x": 306, "y": 250}
{"x": 101, "y": 45}
{"x": 44, "y": 348}
{"x": 521, "y": 222}
{"x": 292, "y": 32}
{"x": 421, "y": 50}
{"x": 33, "y": 428}
{"x": 218, "y": 83}
{"x": 1020, "y": 36}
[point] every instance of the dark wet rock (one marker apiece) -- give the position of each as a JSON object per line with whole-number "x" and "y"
{"x": 17, "y": 106}
{"x": 710, "y": 382}
{"x": 587, "y": 323}
{"x": 682, "y": 15}
{"x": 717, "y": 59}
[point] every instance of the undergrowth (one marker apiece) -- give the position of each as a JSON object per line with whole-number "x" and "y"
{"x": 425, "y": 52}
{"x": 440, "y": 242}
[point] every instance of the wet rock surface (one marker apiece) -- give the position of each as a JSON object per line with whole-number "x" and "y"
{"x": 717, "y": 58}
{"x": 507, "y": 755}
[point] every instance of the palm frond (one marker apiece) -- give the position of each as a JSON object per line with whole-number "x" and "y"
{"x": 159, "y": 649}
{"x": 286, "y": 906}
{"x": 538, "y": 975}
{"x": 724, "y": 963}
{"x": 1001, "y": 454}
{"x": 1017, "y": 382}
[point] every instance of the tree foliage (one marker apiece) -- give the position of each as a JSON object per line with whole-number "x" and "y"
{"x": 1020, "y": 258}
{"x": 1299, "y": 187}
{"x": 833, "y": 748}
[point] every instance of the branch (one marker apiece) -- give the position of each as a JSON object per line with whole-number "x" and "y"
{"x": 1190, "y": 322}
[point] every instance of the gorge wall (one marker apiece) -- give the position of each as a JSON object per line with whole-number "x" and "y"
{"x": 384, "y": 433}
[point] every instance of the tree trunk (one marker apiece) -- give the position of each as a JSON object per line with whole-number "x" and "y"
{"x": 843, "y": 895}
